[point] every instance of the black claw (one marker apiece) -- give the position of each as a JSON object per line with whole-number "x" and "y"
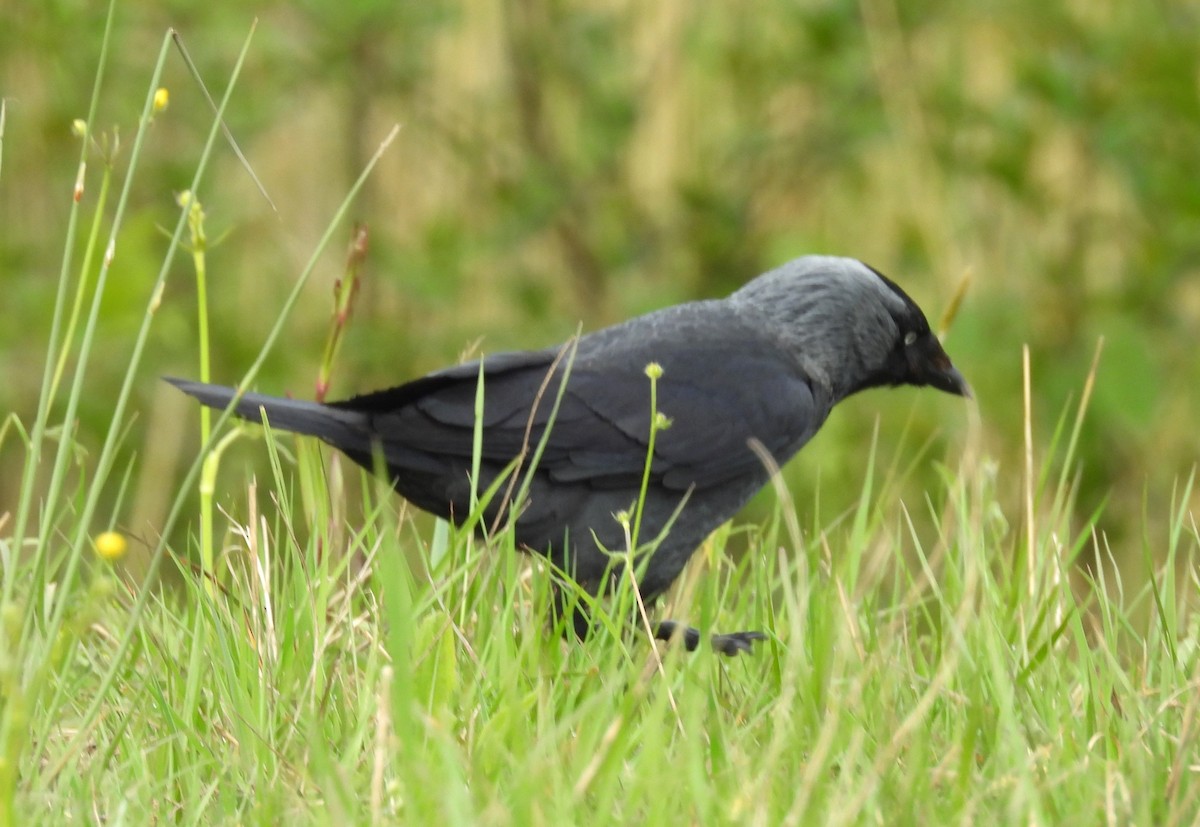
{"x": 735, "y": 643}
{"x": 731, "y": 644}
{"x": 667, "y": 629}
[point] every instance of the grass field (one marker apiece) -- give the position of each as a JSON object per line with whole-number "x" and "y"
{"x": 345, "y": 669}
{"x": 293, "y": 646}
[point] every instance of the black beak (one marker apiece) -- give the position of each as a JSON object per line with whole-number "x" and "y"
{"x": 951, "y": 381}
{"x": 935, "y": 369}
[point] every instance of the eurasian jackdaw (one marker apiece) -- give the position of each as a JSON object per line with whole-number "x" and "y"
{"x": 763, "y": 366}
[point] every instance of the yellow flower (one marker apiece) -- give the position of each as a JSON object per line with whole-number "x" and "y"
{"x": 161, "y": 99}
{"x": 111, "y": 546}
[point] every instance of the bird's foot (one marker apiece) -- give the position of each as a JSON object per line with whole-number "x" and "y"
{"x": 730, "y": 644}
{"x": 734, "y": 643}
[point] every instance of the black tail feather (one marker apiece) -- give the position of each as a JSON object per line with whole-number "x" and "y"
{"x": 342, "y": 428}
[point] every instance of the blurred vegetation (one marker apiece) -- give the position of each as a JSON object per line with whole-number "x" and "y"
{"x": 581, "y": 162}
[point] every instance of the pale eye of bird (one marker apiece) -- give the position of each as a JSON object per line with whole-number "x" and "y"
{"x": 909, "y": 338}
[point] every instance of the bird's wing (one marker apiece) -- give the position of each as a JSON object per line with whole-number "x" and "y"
{"x": 718, "y": 397}
{"x": 448, "y": 395}
{"x": 428, "y": 424}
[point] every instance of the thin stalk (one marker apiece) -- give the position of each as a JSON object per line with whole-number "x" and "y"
{"x": 199, "y": 248}
{"x": 344, "y": 293}
{"x": 658, "y": 422}
{"x": 85, "y": 268}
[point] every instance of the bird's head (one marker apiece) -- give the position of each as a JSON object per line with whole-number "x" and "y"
{"x": 850, "y": 326}
{"x": 917, "y": 356}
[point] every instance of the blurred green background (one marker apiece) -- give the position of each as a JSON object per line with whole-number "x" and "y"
{"x": 580, "y": 162}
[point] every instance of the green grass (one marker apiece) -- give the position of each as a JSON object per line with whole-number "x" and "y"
{"x": 320, "y": 658}
{"x": 339, "y": 675}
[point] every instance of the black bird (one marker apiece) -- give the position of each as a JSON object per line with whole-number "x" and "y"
{"x": 764, "y": 365}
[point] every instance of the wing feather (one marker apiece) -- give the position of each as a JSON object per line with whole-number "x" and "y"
{"x": 717, "y": 399}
